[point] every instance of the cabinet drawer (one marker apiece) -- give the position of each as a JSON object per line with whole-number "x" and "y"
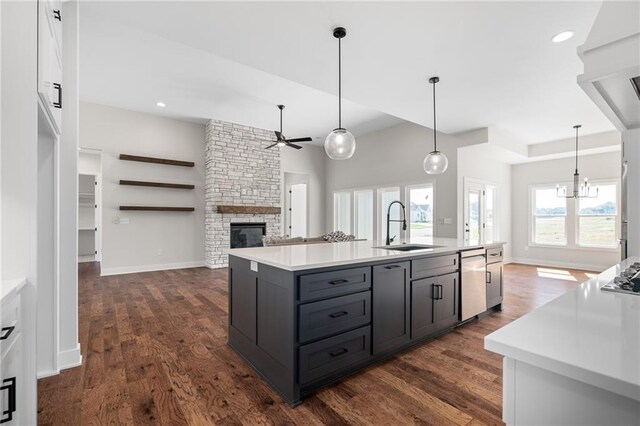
{"x": 326, "y": 317}
{"x": 334, "y": 283}
{"x": 336, "y": 353}
{"x": 432, "y": 266}
{"x": 10, "y": 323}
{"x": 12, "y": 380}
{"x": 494, "y": 255}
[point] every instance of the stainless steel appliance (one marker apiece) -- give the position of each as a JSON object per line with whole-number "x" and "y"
{"x": 473, "y": 283}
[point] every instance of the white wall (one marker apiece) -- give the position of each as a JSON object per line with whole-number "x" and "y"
{"x": 599, "y": 166}
{"x": 309, "y": 160}
{"x": 151, "y": 240}
{"x": 394, "y": 156}
{"x": 474, "y": 164}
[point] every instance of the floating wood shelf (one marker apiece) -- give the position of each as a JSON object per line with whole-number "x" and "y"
{"x": 156, "y": 184}
{"x": 165, "y": 161}
{"x": 158, "y": 209}
{"x": 248, "y": 209}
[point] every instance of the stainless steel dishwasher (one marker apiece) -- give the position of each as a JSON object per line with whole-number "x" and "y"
{"x": 473, "y": 283}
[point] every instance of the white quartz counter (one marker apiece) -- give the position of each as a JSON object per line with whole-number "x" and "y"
{"x": 309, "y": 256}
{"x": 588, "y": 335}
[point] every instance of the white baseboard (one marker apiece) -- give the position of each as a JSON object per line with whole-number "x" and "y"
{"x": 148, "y": 268}
{"x": 554, "y": 264}
{"x": 69, "y": 359}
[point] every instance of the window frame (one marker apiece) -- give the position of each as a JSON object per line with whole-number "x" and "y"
{"x": 616, "y": 217}
{"x": 407, "y": 197}
{"x": 532, "y": 216}
{"x": 572, "y": 218}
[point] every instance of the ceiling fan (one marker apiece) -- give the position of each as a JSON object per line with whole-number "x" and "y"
{"x": 282, "y": 141}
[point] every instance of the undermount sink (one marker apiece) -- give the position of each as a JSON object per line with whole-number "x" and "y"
{"x": 408, "y": 247}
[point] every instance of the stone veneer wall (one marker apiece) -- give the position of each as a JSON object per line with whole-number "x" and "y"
{"x": 239, "y": 172}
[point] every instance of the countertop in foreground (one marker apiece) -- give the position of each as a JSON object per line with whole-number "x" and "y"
{"x": 589, "y": 335}
{"x": 310, "y": 256}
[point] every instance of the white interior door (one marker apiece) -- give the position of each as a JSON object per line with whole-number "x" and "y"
{"x": 298, "y": 210}
{"x": 479, "y": 222}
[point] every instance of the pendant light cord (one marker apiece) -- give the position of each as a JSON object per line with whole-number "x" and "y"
{"x": 280, "y": 121}
{"x": 576, "y": 149}
{"x": 340, "y": 83}
{"x": 435, "y": 146}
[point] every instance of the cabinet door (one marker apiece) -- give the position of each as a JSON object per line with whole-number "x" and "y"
{"x": 448, "y": 300}
{"x": 390, "y": 306}
{"x": 494, "y": 284}
{"x": 423, "y": 319}
{"x": 49, "y": 63}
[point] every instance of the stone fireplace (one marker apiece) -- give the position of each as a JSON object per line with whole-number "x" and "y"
{"x": 242, "y": 185}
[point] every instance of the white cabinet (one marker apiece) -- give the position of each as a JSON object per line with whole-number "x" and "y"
{"x": 17, "y": 384}
{"x": 50, "y": 87}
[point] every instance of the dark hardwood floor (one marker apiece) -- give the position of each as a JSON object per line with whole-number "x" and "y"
{"x": 154, "y": 348}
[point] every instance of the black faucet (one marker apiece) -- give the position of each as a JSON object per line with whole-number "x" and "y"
{"x": 404, "y": 220}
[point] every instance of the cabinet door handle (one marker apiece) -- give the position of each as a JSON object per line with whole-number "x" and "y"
{"x": 56, "y": 15}
{"x": 339, "y": 352}
{"x": 488, "y": 277}
{"x": 6, "y": 332}
{"x": 338, "y": 282}
{"x": 58, "y": 87}
{"x": 392, "y": 266}
{"x": 439, "y": 291}
{"x": 338, "y": 314}
{"x": 10, "y": 385}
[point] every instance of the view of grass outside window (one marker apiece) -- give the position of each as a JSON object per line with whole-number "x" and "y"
{"x": 549, "y": 217}
{"x": 420, "y": 214}
{"x": 597, "y": 218}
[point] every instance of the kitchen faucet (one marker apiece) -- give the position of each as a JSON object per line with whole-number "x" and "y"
{"x": 404, "y": 220}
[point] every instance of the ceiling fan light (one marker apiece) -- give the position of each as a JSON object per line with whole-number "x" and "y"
{"x": 340, "y": 144}
{"x": 435, "y": 163}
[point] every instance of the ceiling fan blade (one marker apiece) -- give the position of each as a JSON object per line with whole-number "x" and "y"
{"x": 271, "y": 146}
{"x": 307, "y": 139}
{"x": 293, "y": 145}
{"x": 279, "y": 135}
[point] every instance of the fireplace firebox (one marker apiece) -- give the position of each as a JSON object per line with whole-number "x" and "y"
{"x": 247, "y": 234}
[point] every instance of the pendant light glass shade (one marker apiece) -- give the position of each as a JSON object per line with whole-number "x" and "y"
{"x": 340, "y": 144}
{"x": 435, "y": 163}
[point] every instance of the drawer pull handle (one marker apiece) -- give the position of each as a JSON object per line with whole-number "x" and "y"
{"x": 338, "y": 282}
{"x": 338, "y": 314}
{"x": 6, "y": 332}
{"x": 10, "y": 385}
{"x": 392, "y": 266}
{"x": 58, "y": 87}
{"x": 339, "y": 352}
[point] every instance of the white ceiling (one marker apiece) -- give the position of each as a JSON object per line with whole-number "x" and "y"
{"x": 236, "y": 60}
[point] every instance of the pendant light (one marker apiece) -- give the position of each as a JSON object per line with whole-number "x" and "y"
{"x": 436, "y": 162}
{"x": 579, "y": 191}
{"x": 340, "y": 144}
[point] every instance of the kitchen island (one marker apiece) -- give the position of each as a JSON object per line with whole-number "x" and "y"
{"x": 574, "y": 360}
{"x": 305, "y": 316}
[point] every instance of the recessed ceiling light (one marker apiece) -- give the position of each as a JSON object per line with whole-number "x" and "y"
{"x": 161, "y": 104}
{"x": 563, "y": 36}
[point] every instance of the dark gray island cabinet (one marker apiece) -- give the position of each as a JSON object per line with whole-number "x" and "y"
{"x": 301, "y": 330}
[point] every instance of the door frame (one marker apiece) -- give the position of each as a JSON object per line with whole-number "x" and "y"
{"x": 469, "y": 183}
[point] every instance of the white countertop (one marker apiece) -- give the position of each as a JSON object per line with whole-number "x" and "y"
{"x": 589, "y": 335}
{"x": 309, "y": 256}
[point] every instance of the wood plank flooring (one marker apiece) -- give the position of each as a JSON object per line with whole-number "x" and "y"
{"x": 154, "y": 348}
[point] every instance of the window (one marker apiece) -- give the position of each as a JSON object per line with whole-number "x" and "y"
{"x": 420, "y": 211}
{"x": 549, "y": 217}
{"x": 597, "y": 218}
{"x": 363, "y": 214}
{"x": 342, "y": 212}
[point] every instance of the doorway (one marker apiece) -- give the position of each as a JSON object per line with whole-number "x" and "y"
{"x": 296, "y": 204}
{"x": 89, "y": 206}
{"x": 479, "y": 205}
